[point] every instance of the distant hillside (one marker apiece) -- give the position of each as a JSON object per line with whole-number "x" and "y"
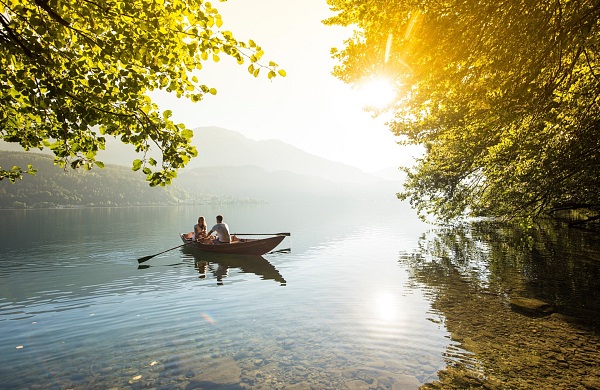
{"x": 229, "y": 166}
{"x": 111, "y": 186}
{"x": 220, "y": 147}
{"x": 277, "y": 186}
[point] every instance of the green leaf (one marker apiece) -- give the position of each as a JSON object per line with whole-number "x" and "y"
{"x": 137, "y": 164}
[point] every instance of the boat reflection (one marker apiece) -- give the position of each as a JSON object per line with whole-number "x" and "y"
{"x": 219, "y": 265}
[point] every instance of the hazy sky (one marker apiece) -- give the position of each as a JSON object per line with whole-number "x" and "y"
{"x": 309, "y": 108}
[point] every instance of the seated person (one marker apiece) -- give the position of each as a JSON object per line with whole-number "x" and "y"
{"x": 200, "y": 229}
{"x": 199, "y": 232}
{"x": 222, "y": 231}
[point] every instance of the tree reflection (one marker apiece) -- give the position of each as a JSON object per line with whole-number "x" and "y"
{"x": 475, "y": 272}
{"x": 547, "y": 261}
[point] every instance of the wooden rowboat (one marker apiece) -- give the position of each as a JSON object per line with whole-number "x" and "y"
{"x": 243, "y": 246}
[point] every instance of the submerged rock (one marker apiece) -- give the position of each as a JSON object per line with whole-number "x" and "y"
{"x": 220, "y": 372}
{"x": 531, "y": 306}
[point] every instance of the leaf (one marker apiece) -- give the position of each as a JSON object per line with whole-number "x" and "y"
{"x": 137, "y": 164}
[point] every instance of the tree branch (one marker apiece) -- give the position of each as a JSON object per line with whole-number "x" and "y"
{"x": 44, "y": 5}
{"x": 15, "y": 38}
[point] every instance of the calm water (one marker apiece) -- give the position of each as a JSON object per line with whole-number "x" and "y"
{"x": 356, "y": 303}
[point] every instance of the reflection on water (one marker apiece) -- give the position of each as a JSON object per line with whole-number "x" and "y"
{"x": 525, "y": 302}
{"x": 219, "y": 265}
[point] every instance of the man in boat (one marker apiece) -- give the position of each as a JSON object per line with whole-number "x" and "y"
{"x": 222, "y": 230}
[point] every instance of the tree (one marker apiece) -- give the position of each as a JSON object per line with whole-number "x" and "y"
{"x": 72, "y": 72}
{"x": 503, "y": 95}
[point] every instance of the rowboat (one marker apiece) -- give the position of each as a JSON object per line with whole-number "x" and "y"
{"x": 241, "y": 246}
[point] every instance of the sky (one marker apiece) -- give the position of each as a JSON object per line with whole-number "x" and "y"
{"x": 309, "y": 108}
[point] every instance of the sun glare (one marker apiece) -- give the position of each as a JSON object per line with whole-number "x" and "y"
{"x": 378, "y": 93}
{"x": 386, "y": 306}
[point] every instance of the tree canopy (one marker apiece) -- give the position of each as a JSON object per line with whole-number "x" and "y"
{"x": 73, "y": 72}
{"x": 503, "y": 95}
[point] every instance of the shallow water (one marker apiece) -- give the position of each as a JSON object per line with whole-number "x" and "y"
{"x": 353, "y": 304}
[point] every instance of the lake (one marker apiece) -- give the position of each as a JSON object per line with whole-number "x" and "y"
{"x": 360, "y": 296}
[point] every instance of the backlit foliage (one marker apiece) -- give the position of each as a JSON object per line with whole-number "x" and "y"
{"x": 73, "y": 71}
{"x": 503, "y": 95}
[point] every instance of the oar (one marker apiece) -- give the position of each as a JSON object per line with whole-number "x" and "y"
{"x": 262, "y": 234}
{"x": 146, "y": 258}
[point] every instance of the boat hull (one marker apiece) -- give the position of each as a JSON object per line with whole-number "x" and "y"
{"x": 242, "y": 247}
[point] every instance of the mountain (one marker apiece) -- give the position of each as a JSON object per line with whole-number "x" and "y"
{"x": 54, "y": 187}
{"x": 230, "y": 164}
{"x": 218, "y": 147}
{"x": 252, "y": 182}
{"x": 232, "y": 167}
{"x": 221, "y": 147}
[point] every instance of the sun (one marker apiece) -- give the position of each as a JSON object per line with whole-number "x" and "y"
{"x": 377, "y": 93}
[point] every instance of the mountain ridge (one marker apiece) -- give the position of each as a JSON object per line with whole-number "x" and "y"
{"x": 219, "y": 144}
{"x": 231, "y": 166}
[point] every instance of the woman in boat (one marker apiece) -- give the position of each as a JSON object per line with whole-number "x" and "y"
{"x": 200, "y": 229}
{"x": 199, "y": 232}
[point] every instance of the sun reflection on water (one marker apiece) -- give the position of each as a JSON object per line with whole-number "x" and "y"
{"x": 385, "y": 305}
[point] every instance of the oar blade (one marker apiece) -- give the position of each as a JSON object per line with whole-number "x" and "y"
{"x": 145, "y": 258}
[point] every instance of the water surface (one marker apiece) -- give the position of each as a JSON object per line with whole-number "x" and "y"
{"x": 356, "y": 302}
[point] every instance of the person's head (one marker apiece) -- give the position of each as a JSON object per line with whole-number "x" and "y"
{"x": 219, "y": 218}
{"x": 200, "y": 220}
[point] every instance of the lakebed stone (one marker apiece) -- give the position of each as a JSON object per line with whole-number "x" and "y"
{"x": 531, "y": 306}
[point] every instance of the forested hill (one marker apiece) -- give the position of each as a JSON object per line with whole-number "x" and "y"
{"x": 112, "y": 186}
